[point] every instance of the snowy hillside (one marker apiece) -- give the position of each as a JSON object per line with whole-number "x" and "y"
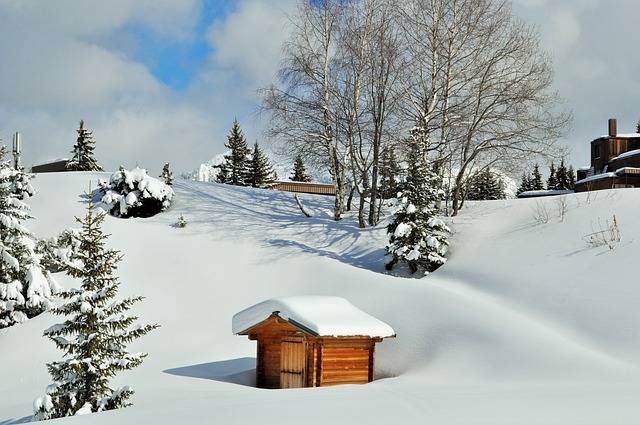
{"x": 525, "y": 324}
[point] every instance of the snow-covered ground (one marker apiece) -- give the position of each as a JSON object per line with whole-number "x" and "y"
{"x": 524, "y": 325}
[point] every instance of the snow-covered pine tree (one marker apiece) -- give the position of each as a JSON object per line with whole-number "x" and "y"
{"x": 536, "y": 179}
{"x": 562, "y": 177}
{"x": 167, "y": 175}
{"x": 235, "y": 168}
{"x": 26, "y": 288}
{"x": 299, "y": 171}
{"x": 485, "y": 186}
{"x": 638, "y": 127}
{"x": 95, "y": 335}
{"x": 21, "y": 184}
{"x": 390, "y": 172}
{"x": 552, "y": 181}
{"x": 572, "y": 178}
{"x": 260, "y": 171}
{"x": 416, "y": 236}
{"x": 83, "y": 157}
{"x": 525, "y": 183}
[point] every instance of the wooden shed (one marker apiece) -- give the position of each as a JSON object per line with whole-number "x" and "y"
{"x": 311, "y": 341}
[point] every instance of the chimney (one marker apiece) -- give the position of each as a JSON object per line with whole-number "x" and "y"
{"x": 17, "y": 150}
{"x": 613, "y": 127}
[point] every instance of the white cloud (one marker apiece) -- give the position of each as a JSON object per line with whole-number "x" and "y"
{"x": 249, "y": 40}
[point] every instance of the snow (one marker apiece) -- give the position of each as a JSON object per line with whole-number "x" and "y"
{"x": 622, "y": 136}
{"x": 597, "y": 177}
{"x": 541, "y": 193}
{"x": 323, "y": 315}
{"x": 524, "y": 325}
{"x": 628, "y": 154}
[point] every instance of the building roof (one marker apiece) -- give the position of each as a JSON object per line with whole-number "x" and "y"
{"x": 621, "y": 136}
{"x": 628, "y": 154}
{"x": 50, "y": 161}
{"x": 319, "y": 315}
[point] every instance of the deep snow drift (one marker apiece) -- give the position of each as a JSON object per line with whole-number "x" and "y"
{"x": 524, "y": 324}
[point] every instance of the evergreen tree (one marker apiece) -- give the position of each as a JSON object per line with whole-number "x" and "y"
{"x": 235, "y": 168}
{"x": 416, "y": 236}
{"x": 536, "y": 179}
{"x": 525, "y": 183}
{"x": 167, "y": 175}
{"x": 485, "y": 186}
{"x": 95, "y": 335}
{"x": 83, "y": 158}
{"x": 260, "y": 171}
{"x": 562, "y": 177}
{"x": 552, "y": 182}
{"x": 638, "y": 127}
{"x": 299, "y": 171}
{"x": 26, "y": 287}
{"x": 389, "y": 174}
{"x": 572, "y": 178}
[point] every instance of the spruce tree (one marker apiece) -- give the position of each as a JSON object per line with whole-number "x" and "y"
{"x": 536, "y": 179}
{"x": 167, "y": 175}
{"x": 26, "y": 287}
{"x": 552, "y": 182}
{"x": 95, "y": 334}
{"x": 389, "y": 174}
{"x": 638, "y": 127}
{"x": 572, "y": 178}
{"x": 260, "y": 171}
{"x": 525, "y": 183}
{"x": 235, "y": 168}
{"x": 299, "y": 171}
{"x": 83, "y": 157}
{"x": 416, "y": 236}
{"x": 485, "y": 186}
{"x": 562, "y": 177}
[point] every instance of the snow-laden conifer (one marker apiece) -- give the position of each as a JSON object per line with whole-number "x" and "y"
{"x": 484, "y": 186}
{"x": 552, "y": 181}
{"x": 390, "y": 173}
{"x": 26, "y": 288}
{"x": 133, "y": 193}
{"x": 299, "y": 171}
{"x": 167, "y": 175}
{"x": 417, "y": 236}
{"x": 95, "y": 334}
{"x": 83, "y": 158}
{"x": 536, "y": 179}
{"x": 235, "y": 168}
{"x": 260, "y": 172}
{"x": 21, "y": 184}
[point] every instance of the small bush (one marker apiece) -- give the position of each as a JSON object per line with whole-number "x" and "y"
{"x": 133, "y": 194}
{"x": 607, "y": 234}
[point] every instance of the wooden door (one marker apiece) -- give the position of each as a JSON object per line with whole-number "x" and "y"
{"x": 292, "y": 364}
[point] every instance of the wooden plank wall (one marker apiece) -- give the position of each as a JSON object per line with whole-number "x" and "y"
{"x": 346, "y": 365}
{"x": 311, "y": 188}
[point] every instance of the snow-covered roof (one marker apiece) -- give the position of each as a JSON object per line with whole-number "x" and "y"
{"x": 50, "y": 161}
{"x": 597, "y": 177}
{"x": 627, "y": 154}
{"x": 541, "y": 193}
{"x": 585, "y": 168}
{"x": 322, "y": 315}
{"x": 623, "y": 136}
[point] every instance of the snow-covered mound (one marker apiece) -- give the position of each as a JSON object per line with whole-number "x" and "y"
{"x": 324, "y": 315}
{"x": 524, "y": 324}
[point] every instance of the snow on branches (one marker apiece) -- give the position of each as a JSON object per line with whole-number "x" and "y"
{"x": 416, "y": 236}
{"x": 133, "y": 194}
{"x": 26, "y": 287}
{"x": 95, "y": 334}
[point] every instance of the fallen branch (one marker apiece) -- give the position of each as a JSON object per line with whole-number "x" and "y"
{"x": 302, "y": 208}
